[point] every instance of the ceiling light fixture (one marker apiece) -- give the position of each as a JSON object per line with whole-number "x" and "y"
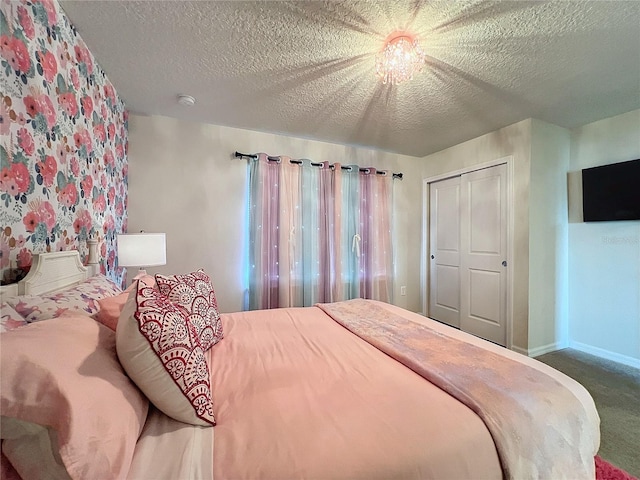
{"x": 186, "y": 100}
{"x": 399, "y": 60}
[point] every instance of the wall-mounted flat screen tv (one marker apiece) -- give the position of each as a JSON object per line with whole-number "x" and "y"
{"x": 611, "y": 192}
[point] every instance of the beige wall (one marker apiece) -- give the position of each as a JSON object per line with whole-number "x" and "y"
{"x": 548, "y": 238}
{"x": 184, "y": 181}
{"x": 604, "y": 257}
{"x": 515, "y": 141}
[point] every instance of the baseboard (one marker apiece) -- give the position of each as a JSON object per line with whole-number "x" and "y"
{"x": 606, "y": 354}
{"x": 536, "y": 352}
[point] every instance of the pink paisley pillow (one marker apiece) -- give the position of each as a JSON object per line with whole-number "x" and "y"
{"x": 160, "y": 351}
{"x": 194, "y": 292}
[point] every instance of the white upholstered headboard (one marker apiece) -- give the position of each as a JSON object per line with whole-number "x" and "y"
{"x": 49, "y": 272}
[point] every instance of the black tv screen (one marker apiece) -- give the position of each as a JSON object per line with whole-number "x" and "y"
{"x": 611, "y": 192}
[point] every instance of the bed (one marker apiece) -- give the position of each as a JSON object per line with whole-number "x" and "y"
{"x": 357, "y": 389}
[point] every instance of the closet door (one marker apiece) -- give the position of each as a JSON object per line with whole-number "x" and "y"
{"x": 483, "y": 236}
{"x": 444, "y": 251}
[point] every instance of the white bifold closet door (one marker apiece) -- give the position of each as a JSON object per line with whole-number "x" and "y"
{"x": 468, "y": 251}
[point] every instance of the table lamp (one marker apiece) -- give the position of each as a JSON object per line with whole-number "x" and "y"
{"x": 142, "y": 250}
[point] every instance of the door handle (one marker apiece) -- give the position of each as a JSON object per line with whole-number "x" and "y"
{"x": 504, "y": 263}
{"x": 432, "y": 257}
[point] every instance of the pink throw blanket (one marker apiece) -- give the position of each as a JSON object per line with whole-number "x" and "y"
{"x": 539, "y": 427}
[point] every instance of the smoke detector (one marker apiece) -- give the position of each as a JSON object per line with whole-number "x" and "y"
{"x": 186, "y": 100}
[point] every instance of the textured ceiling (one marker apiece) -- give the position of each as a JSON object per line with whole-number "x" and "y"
{"x": 307, "y": 68}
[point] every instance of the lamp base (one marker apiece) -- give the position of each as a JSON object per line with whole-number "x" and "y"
{"x": 141, "y": 273}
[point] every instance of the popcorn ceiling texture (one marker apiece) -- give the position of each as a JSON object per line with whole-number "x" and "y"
{"x": 307, "y": 68}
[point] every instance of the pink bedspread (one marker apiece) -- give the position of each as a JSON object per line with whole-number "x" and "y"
{"x": 298, "y": 396}
{"x": 540, "y": 428}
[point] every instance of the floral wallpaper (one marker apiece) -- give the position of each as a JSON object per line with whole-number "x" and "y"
{"x": 63, "y": 155}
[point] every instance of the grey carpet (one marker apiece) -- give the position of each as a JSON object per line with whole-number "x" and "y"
{"x": 615, "y": 389}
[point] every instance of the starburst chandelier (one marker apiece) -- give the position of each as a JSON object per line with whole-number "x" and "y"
{"x": 400, "y": 59}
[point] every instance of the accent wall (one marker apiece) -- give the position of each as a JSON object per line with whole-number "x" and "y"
{"x": 63, "y": 156}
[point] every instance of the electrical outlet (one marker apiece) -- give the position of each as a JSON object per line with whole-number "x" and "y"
{"x": 403, "y": 290}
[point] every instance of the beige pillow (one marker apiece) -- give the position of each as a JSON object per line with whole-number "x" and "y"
{"x": 160, "y": 351}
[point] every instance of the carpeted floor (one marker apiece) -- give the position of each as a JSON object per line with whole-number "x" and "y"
{"x": 615, "y": 388}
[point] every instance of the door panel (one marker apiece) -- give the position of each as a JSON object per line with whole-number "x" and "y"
{"x": 483, "y": 240}
{"x": 444, "y": 251}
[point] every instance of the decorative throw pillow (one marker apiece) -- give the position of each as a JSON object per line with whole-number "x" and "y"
{"x": 82, "y": 298}
{"x": 159, "y": 349}
{"x": 194, "y": 292}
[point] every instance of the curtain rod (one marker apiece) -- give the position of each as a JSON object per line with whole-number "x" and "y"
{"x": 299, "y": 162}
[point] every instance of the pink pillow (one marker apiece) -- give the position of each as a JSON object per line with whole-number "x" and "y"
{"x": 82, "y": 298}
{"x": 111, "y": 307}
{"x": 10, "y": 319}
{"x": 68, "y": 385}
{"x": 194, "y": 292}
{"x": 160, "y": 350}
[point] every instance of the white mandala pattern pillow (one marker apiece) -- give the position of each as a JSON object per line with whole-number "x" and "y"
{"x": 194, "y": 292}
{"x": 161, "y": 352}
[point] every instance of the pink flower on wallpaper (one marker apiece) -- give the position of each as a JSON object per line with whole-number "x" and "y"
{"x": 68, "y": 102}
{"x": 48, "y": 170}
{"x": 83, "y": 56}
{"x": 82, "y": 137}
{"x": 119, "y": 208}
{"x": 40, "y": 103}
{"x": 75, "y": 166}
{"x": 75, "y": 80}
{"x": 20, "y": 120}
{"x": 108, "y": 158}
{"x": 26, "y": 22}
{"x": 46, "y": 213}
{"x": 62, "y": 55}
{"x": 109, "y": 223}
{"x": 68, "y": 196}
{"x": 24, "y": 258}
{"x": 7, "y": 182}
{"x": 50, "y": 8}
{"x": 119, "y": 150}
{"x": 110, "y": 93}
{"x": 61, "y": 153}
{"x": 31, "y": 105}
{"x": 99, "y": 133}
{"x": 49, "y": 65}
{"x": 111, "y": 259}
{"x": 14, "y": 51}
{"x": 25, "y": 141}
{"x": 111, "y": 194}
{"x": 103, "y": 250}
{"x": 87, "y": 106}
{"x": 111, "y": 128}
{"x": 103, "y": 181}
{"x": 46, "y": 108}
{"x": 83, "y": 221}
{"x": 104, "y": 112}
{"x": 31, "y": 220}
{"x": 15, "y": 179}
{"x": 87, "y": 186}
{"x": 20, "y": 241}
{"x": 100, "y": 204}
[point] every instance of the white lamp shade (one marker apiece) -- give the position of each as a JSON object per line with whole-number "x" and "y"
{"x": 142, "y": 250}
